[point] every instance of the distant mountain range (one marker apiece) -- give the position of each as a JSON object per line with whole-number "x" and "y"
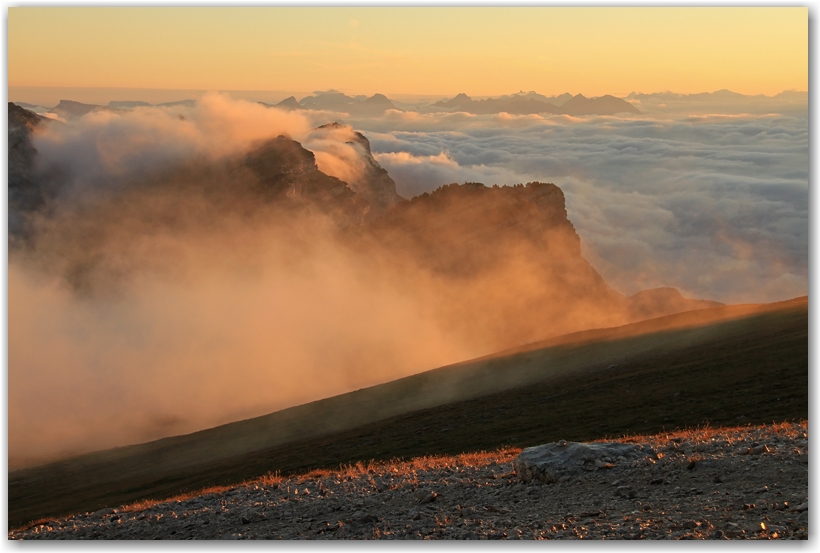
{"x": 722, "y": 95}
{"x": 520, "y": 104}
{"x": 531, "y": 104}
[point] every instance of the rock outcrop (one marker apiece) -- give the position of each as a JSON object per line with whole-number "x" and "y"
{"x": 289, "y": 103}
{"x": 374, "y": 184}
{"x": 284, "y": 170}
{"x": 561, "y": 461}
{"x": 71, "y": 110}
{"x": 512, "y": 253}
{"x": 24, "y": 193}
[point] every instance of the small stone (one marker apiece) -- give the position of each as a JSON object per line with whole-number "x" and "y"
{"x": 250, "y": 515}
{"x": 426, "y": 497}
{"x": 625, "y": 491}
{"x": 801, "y": 508}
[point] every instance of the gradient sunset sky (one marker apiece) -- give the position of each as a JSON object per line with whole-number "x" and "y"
{"x": 481, "y": 51}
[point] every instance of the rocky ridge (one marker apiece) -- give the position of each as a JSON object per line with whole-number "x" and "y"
{"x": 468, "y": 231}
{"x": 732, "y": 483}
{"x": 374, "y": 185}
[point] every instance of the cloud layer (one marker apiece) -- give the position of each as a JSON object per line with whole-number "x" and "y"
{"x": 716, "y": 205}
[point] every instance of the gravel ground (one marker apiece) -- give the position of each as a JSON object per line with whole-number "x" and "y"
{"x": 741, "y": 483}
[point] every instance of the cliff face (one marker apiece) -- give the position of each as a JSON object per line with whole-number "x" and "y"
{"x": 510, "y": 255}
{"x": 284, "y": 171}
{"x": 463, "y": 228}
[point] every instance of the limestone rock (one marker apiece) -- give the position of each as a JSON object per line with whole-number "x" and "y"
{"x": 548, "y": 463}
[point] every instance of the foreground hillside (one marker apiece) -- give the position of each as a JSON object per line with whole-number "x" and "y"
{"x": 731, "y": 483}
{"x": 724, "y": 366}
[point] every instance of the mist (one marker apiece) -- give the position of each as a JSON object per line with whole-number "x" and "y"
{"x": 157, "y": 293}
{"x": 203, "y": 330}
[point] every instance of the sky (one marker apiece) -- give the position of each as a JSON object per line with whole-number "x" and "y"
{"x": 432, "y": 50}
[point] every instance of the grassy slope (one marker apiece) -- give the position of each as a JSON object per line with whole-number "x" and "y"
{"x": 723, "y": 363}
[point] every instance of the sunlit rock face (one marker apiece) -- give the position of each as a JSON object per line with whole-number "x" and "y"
{"x": 284, "y": 170}
{"x": 510, "y": 255}
{"x": 469, "y": 227}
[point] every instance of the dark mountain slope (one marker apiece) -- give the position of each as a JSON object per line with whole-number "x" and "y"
{"x": 724, "y": 365}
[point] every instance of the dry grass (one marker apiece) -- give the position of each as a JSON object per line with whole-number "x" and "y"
{"x": 732, "y": 434}
{"x": 407, "y": 468}
{"x": 356, "y": 470}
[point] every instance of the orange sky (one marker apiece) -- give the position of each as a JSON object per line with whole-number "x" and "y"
{"x": 481, "y": 51}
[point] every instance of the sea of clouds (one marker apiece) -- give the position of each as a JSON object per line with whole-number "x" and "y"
{"x": 713, "y": 204}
